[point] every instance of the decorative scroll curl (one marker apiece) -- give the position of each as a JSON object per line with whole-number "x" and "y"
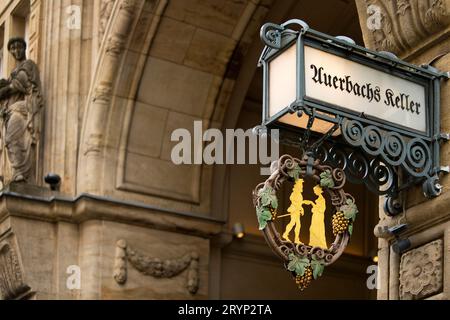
{"x": 332, "y": 180}
{"x": 378, "y": 175}
{"x": 155, "y": 267}
{"x": 414, "y": 156}
{"x": 391, "y": 149}
{"x": 271, "y": 34}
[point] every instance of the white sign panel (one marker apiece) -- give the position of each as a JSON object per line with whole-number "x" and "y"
{"x": 359, "y": 88}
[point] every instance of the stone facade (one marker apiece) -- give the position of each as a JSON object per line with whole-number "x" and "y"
{"x": 118, "y": 76}
{"x": 417, "y": 31}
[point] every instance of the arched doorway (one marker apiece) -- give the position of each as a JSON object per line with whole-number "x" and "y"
{"x": 247, "y": 269}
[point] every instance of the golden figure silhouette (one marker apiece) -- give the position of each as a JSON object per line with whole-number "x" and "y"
{"x": 317, "y": 230}
{"x": 317, "y": 236}
{"x": 295, "y": 211}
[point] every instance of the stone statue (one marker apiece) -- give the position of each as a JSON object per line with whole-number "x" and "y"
{"x": 20, "y": 102}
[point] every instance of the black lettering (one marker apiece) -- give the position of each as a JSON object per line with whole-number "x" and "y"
{"x": 377, "y": 94}
{"x": 406, "y": 101}
{"x": 417, "y": 108}
{"x": 369, "y": 93}
{"x": 348, "y": 84}
{"x": 327, "y": 80}
{"x": 389, "y": 98}
{"x": 316, "y": 74}
{"x": 398, "y": 103}
{"x": 320, "y": 75}
{"x": 411, "y": 106}
{"x": 335, "y": 80}
{"x": 357, "y": 90}
{"x": 341, "y": 86}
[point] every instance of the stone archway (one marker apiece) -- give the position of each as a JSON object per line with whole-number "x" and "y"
{"x": 232, "y": 183}
{"x": 175, "y": 63}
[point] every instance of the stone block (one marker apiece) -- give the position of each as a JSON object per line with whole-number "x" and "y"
{"x": 179, "y": 88}
{"x": 158, "y": 177}
{"x": 209, "y": 52}
{"x": 147, "y": 130}
{"x": 214, "y": 15}
{"x": 172, "y": 40}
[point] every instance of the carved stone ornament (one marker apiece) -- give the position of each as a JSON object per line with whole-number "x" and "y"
{"x": 399, "y": 26}
{"x": 20, "y": 106}
{"x": 156, "y": 267}
{"x": 12, "y": 285}
{"x": 421, "y": 271}
{"x": 305, "y": 261}
{"x": 106, "y": 7}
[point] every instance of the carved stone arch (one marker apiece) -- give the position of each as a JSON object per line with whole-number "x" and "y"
{"x": 403, "y": 27}
{"x": 117, "y": 51}
{"x": 12, "y": 283}
{"x": 115, "y": 94}
{"x": 242, "y": 81}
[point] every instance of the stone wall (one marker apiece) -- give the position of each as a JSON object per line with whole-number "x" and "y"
{"x": 121, "y": 250}
{"x": 138, "y": 226}
{"x": 417, "y": 31}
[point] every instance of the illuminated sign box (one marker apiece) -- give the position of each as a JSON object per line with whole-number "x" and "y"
{"x": 308, "y": 69}
{"x": 330, "y": 85}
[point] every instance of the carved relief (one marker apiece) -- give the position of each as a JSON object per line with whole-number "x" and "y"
{"x": 115, "y": 46}
{"x": 12, "y": 285}
{"x": 155, "y": 267}
{"x": 436, "y": 16}
{"x": 94, "y": 144}
{"x": 106, "y": 7}
{"x": 399, "y": 26}
{"x": 402, "y": 6}
{"x": 383, "y": 37}
{"x": 421, "y": 271}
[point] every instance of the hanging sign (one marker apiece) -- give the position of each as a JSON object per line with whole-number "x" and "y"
{"x": 374, "y": 101}
{"x": 350, "y": 85}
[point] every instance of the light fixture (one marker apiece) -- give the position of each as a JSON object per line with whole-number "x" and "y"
{"x": 53, "y": 180}
{"x": 238, "y": 230}
{"x": 375, "y": 259}
{"x": 401, "y": 245}
{"x": 285, "y": 88}
{"x": 396, "y": 230}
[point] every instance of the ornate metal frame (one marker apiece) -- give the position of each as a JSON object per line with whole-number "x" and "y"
{"x": 386, "y": 146}
{"x": 339, "y": 198}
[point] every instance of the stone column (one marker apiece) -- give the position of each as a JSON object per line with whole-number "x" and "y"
{"x": 66, "y": 67}
{"x": 416, "y": 31}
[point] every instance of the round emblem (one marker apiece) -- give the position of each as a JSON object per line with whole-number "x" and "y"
{"x": 306, "y": 262}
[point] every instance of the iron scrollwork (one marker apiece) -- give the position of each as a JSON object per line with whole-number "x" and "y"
{"x": 272, "y": 33}
{"x": 376, "y": 152}
{"x": 377, "y": 175}
{"x": 412, "y": 154}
